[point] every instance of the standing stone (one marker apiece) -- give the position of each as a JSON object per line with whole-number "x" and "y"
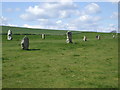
{"x": 85, "y": 38}
{"x": 9, "y": 35}
{"x": 69, "y": 37}
{"x": 25, "y": 43}
{"x": 113, "y": 36}
{"x": 98, "y": 37}
{"x": 43, "y": 36}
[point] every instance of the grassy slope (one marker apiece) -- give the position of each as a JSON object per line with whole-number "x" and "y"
{"x": 18, "y": 30}
{"x": 59, "y": 65}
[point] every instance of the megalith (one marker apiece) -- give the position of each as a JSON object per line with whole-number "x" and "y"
{"x": 69, "y": 37}
{"x": 25, "y": 43}
{"x": 9, "y": 35}
{"x": 43, "y": 36}
{"x": 84, "y": 38}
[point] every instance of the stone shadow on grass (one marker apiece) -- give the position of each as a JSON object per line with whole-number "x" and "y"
{"x": 33, "y": 49}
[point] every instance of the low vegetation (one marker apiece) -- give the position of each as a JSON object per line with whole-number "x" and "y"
{"x": 52, "y": 63}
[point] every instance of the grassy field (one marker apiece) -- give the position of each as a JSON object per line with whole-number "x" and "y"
{"x": 51, "y": 63}
{"x": 18, "y": 30}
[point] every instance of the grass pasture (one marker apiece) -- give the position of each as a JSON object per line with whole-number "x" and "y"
{"x": 51, "y": 63}
{"x": 20, "y": 30}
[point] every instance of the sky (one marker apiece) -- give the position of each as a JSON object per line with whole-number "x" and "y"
{"x": 81, "y": 16}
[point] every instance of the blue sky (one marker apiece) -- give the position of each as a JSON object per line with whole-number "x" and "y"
{"x": 83, "y": 16}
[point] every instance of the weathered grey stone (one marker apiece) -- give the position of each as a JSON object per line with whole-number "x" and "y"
{"x": 9, "y": 35}
{"x": 99, "y": 37}
{"x": 69, "y": 37}
{"x": 113, "y": 36}
{"x": 84, "y": 38}
{"x": 43, "y": 36}
{"x": 25, "y": 43}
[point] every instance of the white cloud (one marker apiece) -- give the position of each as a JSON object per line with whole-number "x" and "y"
{"x": 66, "y": 15}
{"x": 87, "y": 19}
{"x": 72, "y": 27}
{"x": 12, "y": 10}
{"x": 92, "y": 8}
{"x": 50, "y": 15}
{"x": 114, "y": 15}
{"x": 84, "y": 18}
{"x": 66, "y": 1}
{"x": 85, "y": 22}
{"x": 108, "y": 28}
{"x": 113, "y": 0}
{"x": 9, "y": 10}
{"x": 17, "y": 9}
{"x": 3, "y": 20}
{"x": 59, "y": 22}
{"x": 48, "y": 24}
{"x": 49, "y": 10}
{"x": 36, "y": 10}
{"x": 12, "y": 25}
{"x": 28, "y": 17}
{"x": 32, "y": 26}
{"x": 82, "y": 27}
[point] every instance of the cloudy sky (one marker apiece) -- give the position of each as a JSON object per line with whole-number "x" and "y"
{"x": 83, "y": 16}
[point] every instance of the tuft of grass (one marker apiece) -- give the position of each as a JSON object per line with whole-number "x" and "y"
{"x": 76, "y": 55}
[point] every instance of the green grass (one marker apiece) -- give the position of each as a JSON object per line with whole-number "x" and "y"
{"x": 51, "y": 63}
{"x": 19, "y": 30}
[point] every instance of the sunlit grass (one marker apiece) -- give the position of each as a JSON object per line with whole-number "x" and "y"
{"x": 51, "y": 63}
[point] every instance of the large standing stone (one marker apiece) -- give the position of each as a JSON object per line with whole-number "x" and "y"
{"x": 25, "y": 43}
{"x": 9, "y": 35}
{"x": 43, "y": 36}
{"x": 84, "y": 38}
{"x": 69, "y": 37}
